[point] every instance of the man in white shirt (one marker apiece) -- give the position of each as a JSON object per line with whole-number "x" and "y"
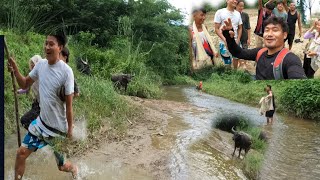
{"x": 220, "y": 16}
{"x": 56, "y": 116}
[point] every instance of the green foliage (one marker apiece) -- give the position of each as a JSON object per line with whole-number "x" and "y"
{"x": 98, "y": 100}
{"x": 302, "y": 98}
{"x": 145, "y": 86}
{"x": 301, "y": 6}
{"x": 222, "y": 72}
{"x": 226, "y": 122}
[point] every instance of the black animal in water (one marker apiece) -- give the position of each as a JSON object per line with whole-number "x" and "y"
{"x": 121, "y": 80}
{"x": 242, "y": 141}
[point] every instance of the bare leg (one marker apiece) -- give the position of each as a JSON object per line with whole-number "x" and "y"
{"x": 235, "y": 63}
{"x": 271, "y": 120}
{"x": 20, "y": 165}
{"x": 69, "y": 167}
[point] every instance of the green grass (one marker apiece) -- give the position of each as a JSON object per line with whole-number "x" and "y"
{"x": 252, "y": 164}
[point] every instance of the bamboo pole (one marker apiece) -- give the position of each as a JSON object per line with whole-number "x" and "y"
{"x": 15, "y": 96}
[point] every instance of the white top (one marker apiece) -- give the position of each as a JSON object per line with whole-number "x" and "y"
{"x": 51, "y": 78}
{"x": 223, "y": 14}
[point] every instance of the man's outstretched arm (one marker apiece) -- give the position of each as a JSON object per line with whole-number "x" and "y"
{"x": 233, "y": 47}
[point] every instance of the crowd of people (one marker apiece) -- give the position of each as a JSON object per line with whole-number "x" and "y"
{"x": 276, "y": 25}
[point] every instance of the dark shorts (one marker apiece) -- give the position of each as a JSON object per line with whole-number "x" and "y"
{"x": 31, "y": 115}
{"x": 307, "y": 67}
{"x": 290, "y": 38}
{"x": 270, "y": 113}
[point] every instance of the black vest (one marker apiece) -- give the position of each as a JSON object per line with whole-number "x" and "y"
{"x": 292, "y": 19}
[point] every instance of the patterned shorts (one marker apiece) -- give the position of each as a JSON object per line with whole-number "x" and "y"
{"x": 34, "y": 143}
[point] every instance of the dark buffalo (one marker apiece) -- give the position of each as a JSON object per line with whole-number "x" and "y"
{"x": 121, "y": 80}
{"x": 242, "y": 141}
{"x": 263, "y": 136}
{"x": 83, "y": 66}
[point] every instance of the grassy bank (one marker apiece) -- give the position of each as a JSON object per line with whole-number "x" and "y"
{"x": 253, "y": 161}
{"x": 295, "y": 97}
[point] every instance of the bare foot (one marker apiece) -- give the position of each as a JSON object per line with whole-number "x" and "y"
{"x": 75, "y": 172}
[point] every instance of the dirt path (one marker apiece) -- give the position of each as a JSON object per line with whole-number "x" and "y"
{"x": 146, "y": 147}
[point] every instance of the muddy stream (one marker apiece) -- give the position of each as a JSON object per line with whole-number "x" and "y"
{"x": 195, "y": 150}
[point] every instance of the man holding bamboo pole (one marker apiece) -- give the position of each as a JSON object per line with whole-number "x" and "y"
{"x": 56, "y": 116}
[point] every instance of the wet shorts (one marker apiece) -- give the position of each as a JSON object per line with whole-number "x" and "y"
{"x": 270, "y": 113}
{"x": 225, "y": 54}
{"x": 34, "y": 143}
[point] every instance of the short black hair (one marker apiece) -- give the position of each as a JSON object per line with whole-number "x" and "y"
{"x": 61, "y": 38}
{"x": 279, "y": 2}
{"x": 65, "y": 52}
{"x": 277, "y": 20}
{"x": 199, "y": 9}
{"x": 270, "y": 6}
{"x": 269, "y": 86}
{"x": 239, "y": 1}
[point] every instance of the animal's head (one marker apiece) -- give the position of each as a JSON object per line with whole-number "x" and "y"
{"x": 83, "y": 66}
{"x": 128, "y": 77}
{"x": 235, "y": 133}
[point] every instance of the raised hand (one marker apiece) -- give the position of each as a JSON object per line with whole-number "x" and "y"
{"x": 12, "y": 66}
{"x": 227, "y": 25}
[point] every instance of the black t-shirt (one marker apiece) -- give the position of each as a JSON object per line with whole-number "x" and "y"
{"x": 245, "y": 27}
{"x": 265, "y": 16}
{"x": 292, "y": 19}
{"x": 291, "y": 66}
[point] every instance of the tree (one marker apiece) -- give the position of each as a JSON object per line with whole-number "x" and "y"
{"x": 302, "y": 8}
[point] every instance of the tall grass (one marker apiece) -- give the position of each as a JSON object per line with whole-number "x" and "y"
{"x": 22, "y": 20}
{"x": 124, "y": 56}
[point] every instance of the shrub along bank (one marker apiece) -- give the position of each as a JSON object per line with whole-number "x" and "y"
{"x": 295, "y": 97}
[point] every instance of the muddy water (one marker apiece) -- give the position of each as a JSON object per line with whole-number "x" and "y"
{"x": 192, "y": 157}
{"x": 42, "y": 165}
{"x": 293, "y": 153}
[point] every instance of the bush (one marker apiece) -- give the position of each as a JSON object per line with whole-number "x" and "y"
{"x": 226, "y": 122}
{"x": 302, "y": 98}
{"x": 144, "y": 86}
